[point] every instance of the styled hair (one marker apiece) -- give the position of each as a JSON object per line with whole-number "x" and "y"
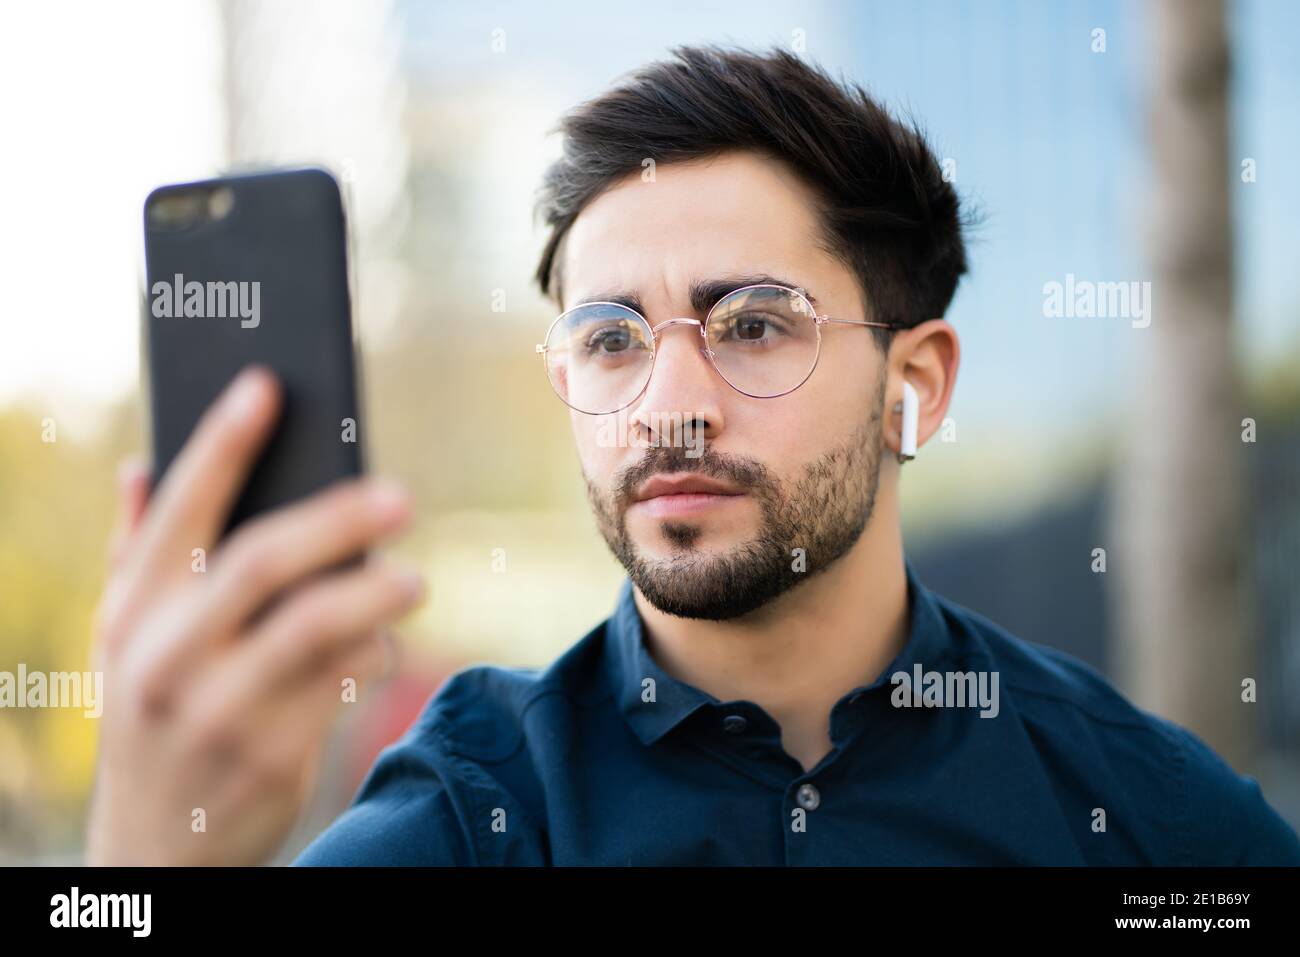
{"x": 887, "y": 211}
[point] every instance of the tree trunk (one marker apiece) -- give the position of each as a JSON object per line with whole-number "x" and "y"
{"x": 1183, "y": 644}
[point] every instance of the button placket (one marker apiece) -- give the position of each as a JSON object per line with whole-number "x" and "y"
{"x": 734, "y": 724}
{"x": 808, "y": 796}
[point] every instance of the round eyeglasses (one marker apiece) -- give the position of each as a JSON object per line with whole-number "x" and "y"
{"x": 764, "y": 340}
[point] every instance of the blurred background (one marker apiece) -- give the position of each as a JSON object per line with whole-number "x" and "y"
{"x": 1125, "y": 492}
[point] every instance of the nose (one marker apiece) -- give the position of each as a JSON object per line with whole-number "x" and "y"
{"x": 682, "y": 402}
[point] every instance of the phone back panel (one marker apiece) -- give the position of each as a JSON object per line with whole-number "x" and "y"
{"x": 285, "y": 232}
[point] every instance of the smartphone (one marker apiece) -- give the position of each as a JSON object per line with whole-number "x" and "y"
{"x": 254, "y": 269}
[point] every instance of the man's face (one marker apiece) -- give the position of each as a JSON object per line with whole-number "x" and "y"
{"x": 784, "y": 486}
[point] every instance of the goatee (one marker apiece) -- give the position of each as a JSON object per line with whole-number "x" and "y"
{"x": 805, "y": 527}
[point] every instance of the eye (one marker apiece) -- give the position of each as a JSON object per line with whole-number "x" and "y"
{"x": 615, "y": 339}
{"x": 754, "y": 327}
{"x": 609, "y": 339}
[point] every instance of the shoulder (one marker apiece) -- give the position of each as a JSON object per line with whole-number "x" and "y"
{"x": 430, "y": 795}
{"x": 485, "y": 712}
{"x": 405, "y": 813}
{"x": 1093, "y": 737}
{"x": 1041, "y": 679}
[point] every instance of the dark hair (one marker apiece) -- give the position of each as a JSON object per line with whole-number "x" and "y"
{"x": 888, "y": 213}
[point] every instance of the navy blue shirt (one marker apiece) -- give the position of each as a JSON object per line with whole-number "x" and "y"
{"x": 603, "y": 758}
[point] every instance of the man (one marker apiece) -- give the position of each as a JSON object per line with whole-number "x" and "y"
{"x": 751, "y": 263}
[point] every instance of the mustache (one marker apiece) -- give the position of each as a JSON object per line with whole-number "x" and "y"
{"x": 745, "y": 473}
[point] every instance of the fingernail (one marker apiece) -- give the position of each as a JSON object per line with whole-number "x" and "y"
{"x": 127, "y": 470}
{"x": 388, "y": 496}
{"x": 413, "y": 582}
{"x": 246, "y": 392}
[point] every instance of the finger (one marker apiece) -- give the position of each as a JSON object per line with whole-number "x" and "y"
{"x": 271, "y": 553}
{"x": 289, "y": 732}
{"x": 316, "y": 701}
{"x": 305, "y": 632}
{"x": 352, "y": 669}
{"x": 268, "y": 556}
{"x": 196, "y": 495}
{"x": 133, "y": 484}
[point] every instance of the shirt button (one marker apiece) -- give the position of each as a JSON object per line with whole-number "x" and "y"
{"x": 808, "y": 797}
{"x": 734, "y": 724}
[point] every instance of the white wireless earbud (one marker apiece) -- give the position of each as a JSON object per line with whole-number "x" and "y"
{"x": 911, "y": 412}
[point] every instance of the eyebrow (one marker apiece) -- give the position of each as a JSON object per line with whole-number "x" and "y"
{"x": 704, "y": 293}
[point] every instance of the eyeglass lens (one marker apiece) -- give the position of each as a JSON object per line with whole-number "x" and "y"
{"x": 762, "y": 339}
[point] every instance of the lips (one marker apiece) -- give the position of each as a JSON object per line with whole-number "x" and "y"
{"x": 665, "y": 496}
{"x": 691, "y": 484}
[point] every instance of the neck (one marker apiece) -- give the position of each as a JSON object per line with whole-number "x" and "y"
{"x": 800, "y": 653}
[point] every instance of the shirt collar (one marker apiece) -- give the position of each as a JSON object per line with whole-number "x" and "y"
{"x": 674, "y": 700}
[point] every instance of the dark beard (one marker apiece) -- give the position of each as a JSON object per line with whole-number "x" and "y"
{"x": 823, "y": 514}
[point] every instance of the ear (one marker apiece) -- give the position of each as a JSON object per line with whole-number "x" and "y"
{"x": 926, "y": 357}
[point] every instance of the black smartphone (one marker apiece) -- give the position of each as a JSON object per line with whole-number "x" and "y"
{"x": 253, "y": 269}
